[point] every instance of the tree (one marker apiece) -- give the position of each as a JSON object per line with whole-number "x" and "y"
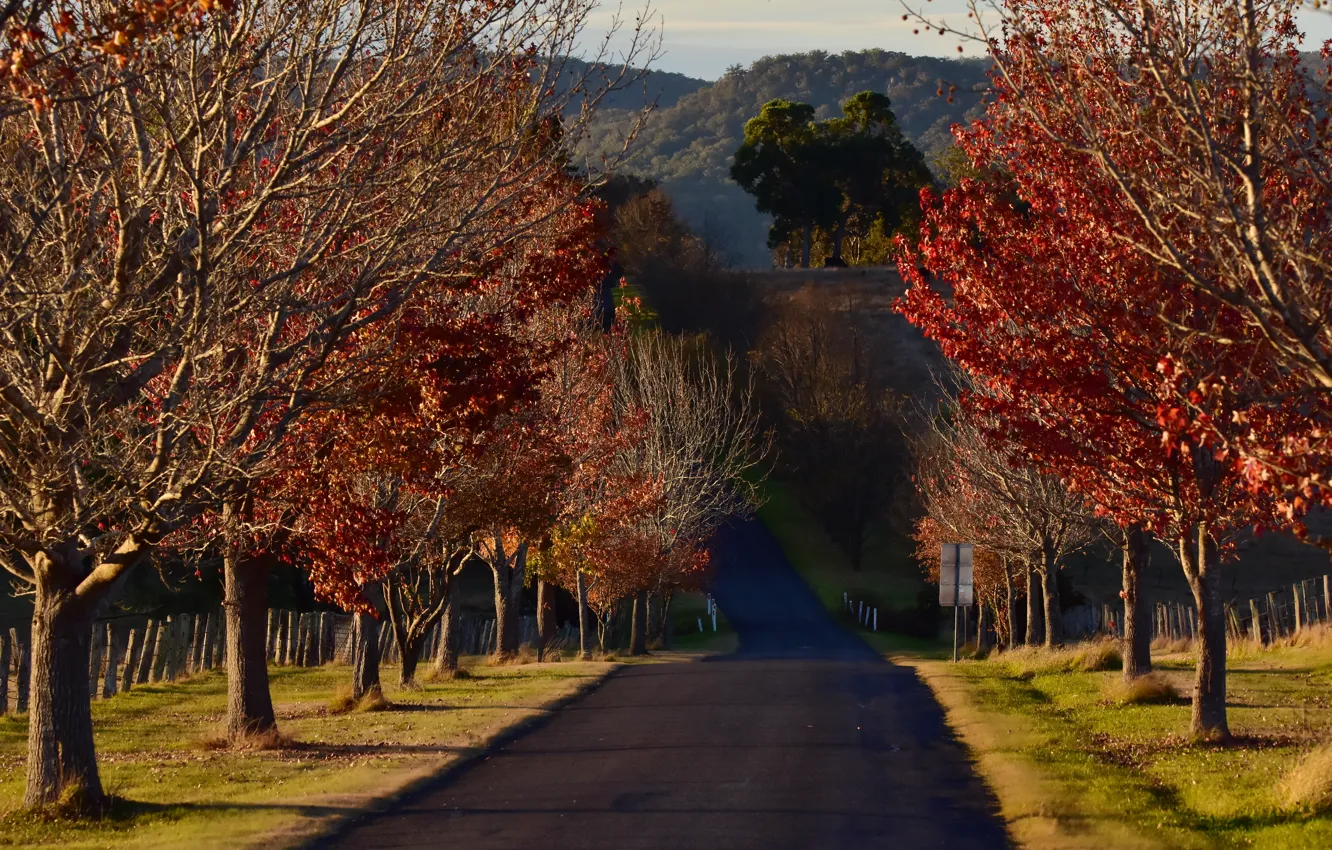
{"x": 841, "y": 419}
{"x": 179, "y": 285}
{"x": 455, "y": 450}
{"x": 1067, "y": 368}
{"x": 684, "y": 442}
{"x": 993, "y": 498}
{"x": 48, "y": 45}
{"x": 855, "y": 172}
{"x": 954, "y": 510}
{"x": 1210, "y": 129}
{"x": 877, "y": 171}
{"x": 783, "y": 163}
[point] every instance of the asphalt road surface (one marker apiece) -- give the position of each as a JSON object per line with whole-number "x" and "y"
{"x": 802, "y": 739}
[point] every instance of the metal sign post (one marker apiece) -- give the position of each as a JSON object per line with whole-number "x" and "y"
{"x": 955, "y": 582}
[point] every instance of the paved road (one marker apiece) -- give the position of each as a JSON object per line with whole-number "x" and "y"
{"x": 802, "y": 739}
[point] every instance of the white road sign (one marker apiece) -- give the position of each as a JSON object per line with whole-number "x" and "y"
{"x": 955, "y": 587}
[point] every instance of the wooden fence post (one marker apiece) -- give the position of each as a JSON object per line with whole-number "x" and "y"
{"x": 6, "y": 650}
{"x": 273, "y": 627}
{"x": 1327, "y": 598}
{"x": 306, "y": 632}
{"x": 280, "y": 652}
{"x": 132, "y": 644}
{"x": 95, "y": 659}
{"x": 145, "y": 670}
{"x": 220, "y": 642}
{"x": 197, "y": 642}
{"x": 210, "y": 637}
{"x": 321, "y": 645}
{"x": 160, "y": 649}
{"x": 24, "y": 675}
{"x": 1256, "y": 623}
{"x": 293, "y": 627}
{"x": 113, "y": 654}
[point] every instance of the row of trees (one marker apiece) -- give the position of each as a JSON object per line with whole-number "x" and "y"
{"x": 1139, "y": 280}
{"x": 315, "y": 282}
{"x": 852, "y": 176}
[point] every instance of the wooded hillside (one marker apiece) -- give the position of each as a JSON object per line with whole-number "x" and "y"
{"x": 689, "y": 140}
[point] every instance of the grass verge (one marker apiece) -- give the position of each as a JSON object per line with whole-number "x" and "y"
{"x": 887, "y": 575}
{"x": 178, "y": 791}
{"x": 1075, "y": 767}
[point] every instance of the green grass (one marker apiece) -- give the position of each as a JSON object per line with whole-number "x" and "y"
{"x": 1073, "y": 769}
{"x": 153, "y": 753}
{"x": 686, "y": 611}
{"x": 888, "y": 576}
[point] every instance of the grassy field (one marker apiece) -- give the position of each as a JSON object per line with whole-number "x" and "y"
{"x": 155, "y": 753}
{"x": 1074, "y": 768}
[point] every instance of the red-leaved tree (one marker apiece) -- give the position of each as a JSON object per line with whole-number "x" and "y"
{"x": 1066, "y": 333}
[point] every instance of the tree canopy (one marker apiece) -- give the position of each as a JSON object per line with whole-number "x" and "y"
{"x": 855, "y": 174}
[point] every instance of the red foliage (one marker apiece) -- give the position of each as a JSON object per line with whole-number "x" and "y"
{"x": 1075, "y": 342}
{"x": 451, "y": 416}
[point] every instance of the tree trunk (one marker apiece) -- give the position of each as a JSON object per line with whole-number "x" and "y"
{"x": 584, "y": 616}
{"x": 1203, "y": 569}
{"x": 839, "y": 235}
{"x": 545, "y": 617}
{"x": 638, "y": 625}
{"x": 365, "y": 654}
{"x": 509, "y": 577}
{"x": 249, "y": 704}
{"x": 807, "y": 245}
{"x": 410, "y": 650}
{"x": 62, "y": 759}
{"x": 1010, "y": 604}
{"x": 447, "y": 659}
{"x": 1035, "y": 607}
{"x": 667, "y": 635}
{"x": 1054, "y": 632}
{"x": 1137, "y": 645}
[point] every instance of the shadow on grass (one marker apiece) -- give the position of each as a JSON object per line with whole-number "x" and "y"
{"x": 122, "y": 814}
{"x": 333, "y": 750}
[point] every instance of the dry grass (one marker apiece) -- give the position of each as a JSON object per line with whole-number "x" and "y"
{"x": 1308, "y": 786}
{"x": 1172, "y": 646}
{"x": 1151, "y": 689}
{"x": 1318, "y": 636}
{"x": 374, "y": 700}
{"x": 525, "y": 655}
{"x": 342, "y": 702}
{"x": 1082, "y": 657}
{"x": 447, "y": 675}
{"x": 250, "y": 741}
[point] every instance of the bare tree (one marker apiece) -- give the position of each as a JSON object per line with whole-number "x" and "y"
{"x": 702, "y": 444}
{"x": 841, "y": 419}
{"x": 1023, "y": 513}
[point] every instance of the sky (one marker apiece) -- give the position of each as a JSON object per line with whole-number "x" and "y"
{"x": 702, "y": 38}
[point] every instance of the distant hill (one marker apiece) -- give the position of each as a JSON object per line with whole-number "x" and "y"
{"x": 688, "y": 142}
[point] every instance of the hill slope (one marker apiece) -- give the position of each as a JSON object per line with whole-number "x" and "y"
{"x": 689, "y": 140}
